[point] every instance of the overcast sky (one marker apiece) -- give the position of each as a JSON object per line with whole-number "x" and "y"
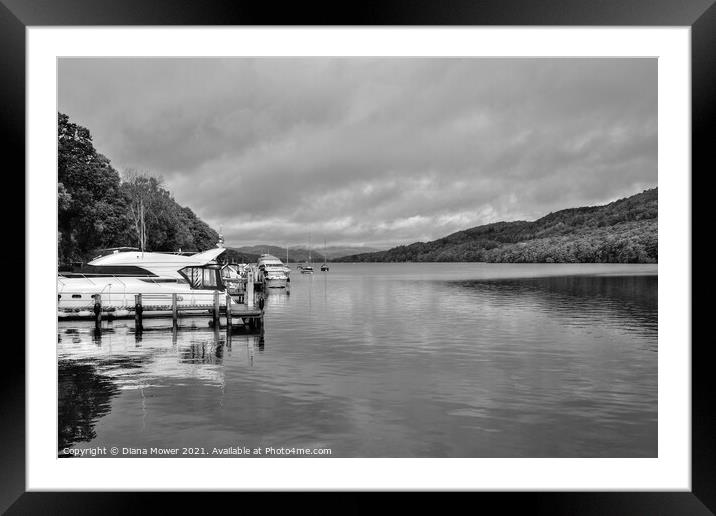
{"x": 366, "y": 151}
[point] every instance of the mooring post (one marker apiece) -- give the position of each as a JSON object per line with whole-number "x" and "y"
{"x": 228, "y": 310}
{"x": 175, "y": 309}
{"x": 216, "y": 307}
{"x": 138, "y": 312}
{"x": 250, "y": 288}
{"x": 97, "y": 310}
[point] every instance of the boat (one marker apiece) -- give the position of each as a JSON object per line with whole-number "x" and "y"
{"x": 324, "y": 267}
{"x": 307, "y": 268}
{"x": 119, "y": 274}
{"x": 274, "y": 271}
{"x": 234, "y": 277}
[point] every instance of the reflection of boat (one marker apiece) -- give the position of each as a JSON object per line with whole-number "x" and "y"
{"x": 275, "y": 272}
{"x": 119, "y": 275}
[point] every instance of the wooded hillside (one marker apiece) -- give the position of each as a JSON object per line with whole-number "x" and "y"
{"x": 624, "y": 231}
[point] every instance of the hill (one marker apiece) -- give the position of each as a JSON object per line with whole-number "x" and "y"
{"x": 623, "y": 231}
{"x": 237, "y": 255}
{"x": 300, "y": 254}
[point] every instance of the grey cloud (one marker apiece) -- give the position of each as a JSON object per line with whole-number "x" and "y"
{"x": 374, "y": 151}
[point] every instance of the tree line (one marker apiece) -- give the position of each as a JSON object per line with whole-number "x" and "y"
{"x": 98, "y": 208}
{"x": 624, "y": 231}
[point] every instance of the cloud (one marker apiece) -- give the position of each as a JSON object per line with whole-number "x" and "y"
{"x": 378, "y": 151}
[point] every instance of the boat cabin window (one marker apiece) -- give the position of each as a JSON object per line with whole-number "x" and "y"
{"x": 109, "y": 270}
{"x": 115, "y": 250}
{"x": 203, "y": 277}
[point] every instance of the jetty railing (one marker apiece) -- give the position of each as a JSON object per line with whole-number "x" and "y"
{"x": 242, "y": 299}
{"x": 172, "y": 304}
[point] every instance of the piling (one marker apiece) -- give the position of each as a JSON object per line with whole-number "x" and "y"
{"x": 216, "y": 332}
{"x": 175, "y": 310}
{"x": 228, "y": 310}
{"x": 249, "y": 289}
{"x": 97, "y": 310}
{"x": 138, "y": 312}
{"x": 216, "y": 308}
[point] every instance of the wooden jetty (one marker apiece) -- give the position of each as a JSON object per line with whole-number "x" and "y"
{"x": 243, "y": 306}
{"x": 239, "y": 313}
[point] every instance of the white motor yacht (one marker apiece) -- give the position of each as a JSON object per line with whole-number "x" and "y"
{"x": 120, "y": 274}
{"x": 275, "y": 272}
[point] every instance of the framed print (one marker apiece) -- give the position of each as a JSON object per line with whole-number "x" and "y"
{"x": 415, "y": 251}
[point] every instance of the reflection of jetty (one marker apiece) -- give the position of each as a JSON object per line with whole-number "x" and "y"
{"x": 94, "y": 367}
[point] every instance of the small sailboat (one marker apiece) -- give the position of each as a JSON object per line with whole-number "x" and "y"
{"x": 324, "y": 267}
{"x": 308, "y": 268}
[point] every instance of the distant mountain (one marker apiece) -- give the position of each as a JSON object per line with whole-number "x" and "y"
{"x": 234, "y": 255}
{"x": 300, "y": 254}
{"x": 623, "y": 231}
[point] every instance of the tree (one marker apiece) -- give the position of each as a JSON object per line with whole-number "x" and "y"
{"x": 142, "y": 192}
{"x": 88, "y": 192}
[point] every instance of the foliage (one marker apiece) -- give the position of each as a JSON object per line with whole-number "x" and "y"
{"x": 96, "y": 209}
{"x": 624, "y": 231}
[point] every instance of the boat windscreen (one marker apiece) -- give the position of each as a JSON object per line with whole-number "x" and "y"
{"x": 208, "y": 278}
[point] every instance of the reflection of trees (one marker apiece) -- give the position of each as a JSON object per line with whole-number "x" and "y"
{"x": 83, "y": 397}
{"x": 624, "y": 297}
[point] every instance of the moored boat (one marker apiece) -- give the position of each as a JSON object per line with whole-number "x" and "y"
{"x": 324, "y": 267}
{"x": 274, "y": 271}
{"x": 119, "y": 275}
{"x": 307, "y": 268}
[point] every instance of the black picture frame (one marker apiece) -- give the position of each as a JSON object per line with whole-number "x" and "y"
{"x": 16, "y": 15}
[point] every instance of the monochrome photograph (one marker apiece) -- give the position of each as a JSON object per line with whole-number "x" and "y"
{"x": 357, "y": 257}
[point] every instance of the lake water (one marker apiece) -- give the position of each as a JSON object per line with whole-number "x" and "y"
{"x": 386, "y": 360}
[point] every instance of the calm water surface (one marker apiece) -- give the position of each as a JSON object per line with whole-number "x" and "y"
{"x": 387, "y": 360}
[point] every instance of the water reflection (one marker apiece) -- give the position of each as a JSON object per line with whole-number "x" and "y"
{"x": 627, "y": 302}
{"x": 95, "y": 367}
{"x": 394, "y": 360}
{"x": 83, "y": 397}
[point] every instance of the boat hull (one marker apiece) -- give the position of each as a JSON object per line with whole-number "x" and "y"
{"x": 276, "y": 282}
{"x": 76, "y": 297}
